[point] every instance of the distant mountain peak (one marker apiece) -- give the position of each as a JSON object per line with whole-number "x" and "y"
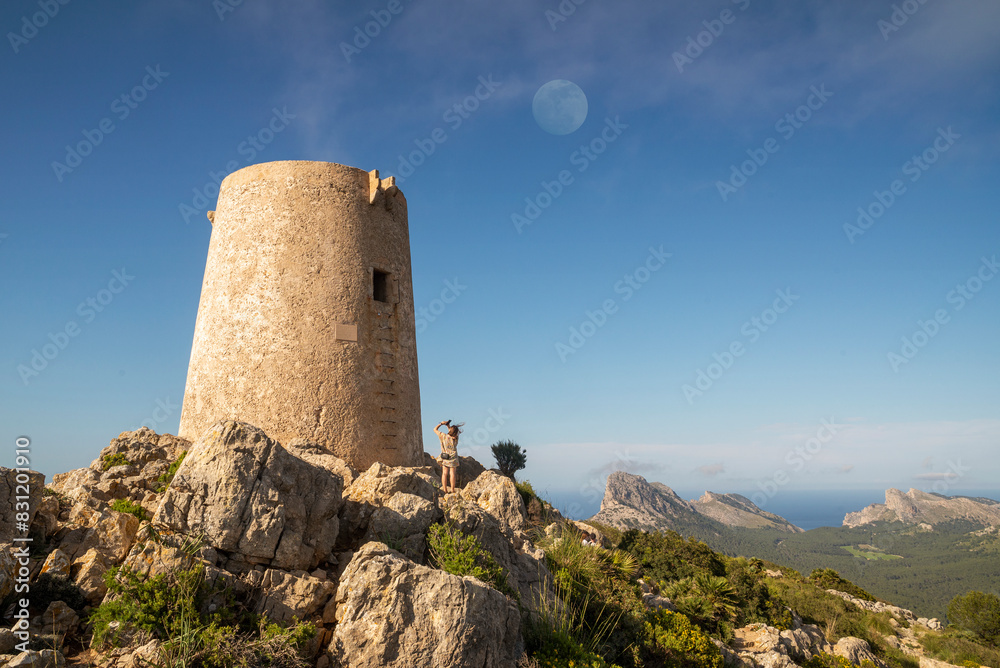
{"x": 919, "y": 507}
{"x": 630, "y": 501}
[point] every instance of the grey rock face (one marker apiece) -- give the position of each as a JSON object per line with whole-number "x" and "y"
{"x": 393, "y": 612}
{"x": 249, "y": 495}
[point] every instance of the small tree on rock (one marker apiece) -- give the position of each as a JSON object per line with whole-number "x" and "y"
{"x": 510, "y": 457}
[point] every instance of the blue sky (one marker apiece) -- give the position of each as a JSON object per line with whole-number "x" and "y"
{"x": 842, "y": 105}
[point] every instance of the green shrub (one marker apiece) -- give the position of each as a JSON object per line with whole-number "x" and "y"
{"x": 526, "y": 491}
{"x": 557, "y": 648}
{"x": 598, "y": 599}
{"x": 130, "y": 508}
{"x": 50, "y": 587}
{"x": 667, "y": 556}
{"x": 679, "y": 643}
{"x": 709, "y": 600}
{"x": 959, "y": 651}
{"x": 172, "y": 607}
{"x": 117, "y": 459}
{"x": 824, "y": 660}
{"x": 827, "y": 578}
{"x": 461, "y": 554}
{"x": 165, "y": 478}
{"x": 510, "y": 457}
{"x": 978, "y": 613}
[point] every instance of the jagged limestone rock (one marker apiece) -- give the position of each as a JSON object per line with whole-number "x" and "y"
{"x": 404, "y": 518}
{"x": 923, "y": 508}
{"x": 16, "y": 514}
{"x": 57, "y": 563}
{"x": 497, "y": 495}
{"x": 392, "y": 612}
{"x": 285, "y": 595}
{"x": 373, "y": 489}
{"x": 47, "y": 658}
{"x": 249, "y": 495}
{"x": 857, "y": 651}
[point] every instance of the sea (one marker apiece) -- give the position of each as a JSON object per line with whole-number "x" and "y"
{"x": 805, "y": 509}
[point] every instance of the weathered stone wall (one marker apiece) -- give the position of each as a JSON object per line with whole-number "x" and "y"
{"x": 289, "y": 335}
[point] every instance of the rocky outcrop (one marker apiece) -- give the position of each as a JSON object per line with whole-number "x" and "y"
{"x": 392, "y": 611}
{"x": 917, "y": 507}
{"x": 858, "y": 652}
{"x": 876, "y": 606}
{"x": 767, "y": 647}
{"x": 20, "y": 496}
{"x": 290, "y": 532}
{"x": 630, "y": 502}
{"x": 254, "y": 500}
{"x": 738, "y": 511}
{"x": 372, "y": 490}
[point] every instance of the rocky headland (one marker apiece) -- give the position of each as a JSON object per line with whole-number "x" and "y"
{"x": 927, "y": 509}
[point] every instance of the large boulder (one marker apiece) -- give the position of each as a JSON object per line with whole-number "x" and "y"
{"x": 525, "y": 565}
{"x": 8, "y": 569}
{"x": 497, "y": 495}
{"x": 372, "y": 490}
{"x": 251, "y": 497}
{"x": 20, "y": 496}
{"x": 768, "y": 647}
{"x": 393, "y": 612}
{"x": 404, "y": 518}
{"x": 857, "y": 651}
{"x": 284, "y": 596}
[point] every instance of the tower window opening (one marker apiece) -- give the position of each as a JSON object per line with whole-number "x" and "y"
{"x": 380, "y": 286}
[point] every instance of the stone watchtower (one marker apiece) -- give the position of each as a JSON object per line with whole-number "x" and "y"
{"x": 305, "y": 326}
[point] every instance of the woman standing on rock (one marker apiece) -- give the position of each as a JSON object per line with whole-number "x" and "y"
{"x": 449, "y": 453}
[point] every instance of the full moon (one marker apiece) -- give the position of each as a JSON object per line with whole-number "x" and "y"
{"x": 559, "y": 107}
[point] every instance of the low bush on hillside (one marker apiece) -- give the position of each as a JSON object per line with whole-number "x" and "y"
{"x": 460, "y": 554}
{"x": 678, "y": 643}
{"x": 827, "y": 578}
{"x": 977, "y": 613}
{"x": 117, "y": 459}
{"x": 172, "y": 608}
{"x": 958, "y": 650}
{"x": 166, "y": 478}
{"x": 130, "y": 508}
